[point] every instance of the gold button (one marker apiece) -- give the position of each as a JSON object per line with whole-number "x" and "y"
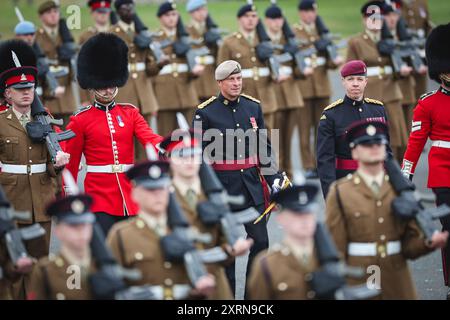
{"x": 239, "y": 140}
{"x": 380, "y": 220}
{"x": 365, "y": 37}
{"x": 168, "y": 282}
{"x": 357, "y": 214}
{"x": 242, "y": 170}
{"x": 312, "y": 39}
{"x": 234, "y": 110}
{"x": 117, "y": 29}
{"x": 379, "y": 203}
{"x": 253, "y": 59}
{"x": 382, "y": 237}
{"x": 133, "y": 55}
{"x": 59, "y": 262}
{"x": 60, "y": 296}
{"x": 134, "y": 75}
{"x": 308, "y": 277}
{"x": 238, "y": 55}
{"x": 30, "y": 161}
{"x": 167, "y": 265}
{"x": 175, "y": 74}
{"x": 310, "y": 294}
{"x": 237, "y": 124}
{"x": 379, "y": 59}
{"x": 138, "y": 256}
{"x": 282, "y": 286}
{"x": 140, "y": 224}
{"x": 7, "y": 141}
{"x": 383, "y": 255}
{"x": 380, "y": 77}
{"x": 30, "y": 148}
{"x": 357, "y": 180}
{"x": 255, "y": 78}
{"x": 360, "y": 110}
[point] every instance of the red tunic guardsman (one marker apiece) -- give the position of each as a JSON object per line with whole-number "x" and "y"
{"x": 105, "y": 130}
{"x": 431, "y": 119}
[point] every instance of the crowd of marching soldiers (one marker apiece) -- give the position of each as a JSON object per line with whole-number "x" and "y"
{"x": 165, "y": 228}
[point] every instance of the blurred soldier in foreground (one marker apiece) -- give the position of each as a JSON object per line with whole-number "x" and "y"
{"x": 361, "y": 218}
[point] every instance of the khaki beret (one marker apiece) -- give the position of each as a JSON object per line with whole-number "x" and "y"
{"x": 47, "y": 5}
{"x": 226, "y": 69}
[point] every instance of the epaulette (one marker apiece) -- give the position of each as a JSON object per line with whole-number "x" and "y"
{"x": 123, "y": 104}
{"x": 334, "y": 104}
{"x": 237, "y": 35}
{"x": 374, "y": 101}
{"x": 207, "y": 102}
{"x": 82, "y": 109}
{"x": 250, "y": 98}
{"x": 426, "y": 95}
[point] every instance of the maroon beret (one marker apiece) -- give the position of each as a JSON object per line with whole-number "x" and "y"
{"x": 354, "y": 67}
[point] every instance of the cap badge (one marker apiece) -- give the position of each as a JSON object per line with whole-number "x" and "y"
{"x": 23, "y": 77}
{"x": 77, "y": 206}
{"x": 154, "y": 172}
{"x": 303, "y": 198}
{"x": 371, "y": 130}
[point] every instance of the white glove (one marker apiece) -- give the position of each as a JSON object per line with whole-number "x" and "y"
{"x": 279, "y": 183}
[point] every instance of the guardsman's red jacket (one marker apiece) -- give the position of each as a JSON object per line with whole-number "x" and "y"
{"x": 431, "y": 120}
{"x": 105, "y": 136}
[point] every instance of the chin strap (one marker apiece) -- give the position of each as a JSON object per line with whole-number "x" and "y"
{"x": 104, "y": 99}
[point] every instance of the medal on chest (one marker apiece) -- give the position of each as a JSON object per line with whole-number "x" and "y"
{"x": 120, "y": 122}
{"x": 253, "y": 123}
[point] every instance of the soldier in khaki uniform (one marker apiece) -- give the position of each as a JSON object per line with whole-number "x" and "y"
{"x": 205, "y": 84}
{"x": 382, "y": 84}
{"x": 100, "y": 11}
{"x": 27, "y": 169}
{"x": 241, "y": 47}
{"x": 185, "y": 159}
{"x": 314, "y": 84}
{"x": 48, "y": 37}
{"x": 64, "y": 276}
{"x": 174, "y": 85}
{"x": 136, "y": 242}
{"x": 417, "y": 17}
{"x": 289, "y": 97}
{"x": 282, "y": 272}
{"x": 361, "y": 220}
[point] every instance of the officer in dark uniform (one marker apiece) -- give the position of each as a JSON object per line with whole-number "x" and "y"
{"x": 250, "y": 167}
{"x": 334, "y": 159}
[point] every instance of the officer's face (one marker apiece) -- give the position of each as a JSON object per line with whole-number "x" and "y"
{"x": 151, "y": 201}
{"x": 297, "y": 226}
{"x": 248, "y": 21}
{"x": 28, "y": 38}
{"x": 76, "y": 237}
{"x": 391, "y": 20}
{"x": 50, "y": 17}
{"x": 307, "y": 16}
{"x": 185, "y": 167}
{"x": 126, "y": 12}
{"x": 354, "y": 86}
{"x": 274, "y": 25}
{"x": 200, "y": 14}
{"x": 20, "y": 97}
{"x": 101, "y": 18}
{"x": 231, "y": 87}
{"x": 169, "y": 20}
{"x": 369, "y": 154}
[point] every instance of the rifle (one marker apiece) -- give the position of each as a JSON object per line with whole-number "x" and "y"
{"x": 182, "y": 46}
{"x": 40, "y": 129}
{"x": 179, "y": 246}
{"x": 325, "y": 43}
{"x": 213, "y": 35}
{"x": 14, "y": 237}
{"x": 329, "y": 281}
{"x": 145, "y": 39}
{"x": 217, "y": 208}
{"x": 407, "y": 206}
{"x": 44, "y": 69}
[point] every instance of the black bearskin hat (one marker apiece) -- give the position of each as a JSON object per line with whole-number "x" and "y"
{"x": 437, "y": 50}
{"x": 10, "y": 74}
{"x": 103, "y": 62}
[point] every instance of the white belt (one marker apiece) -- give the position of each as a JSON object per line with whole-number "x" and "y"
{"x": 136, "y": 67}
{"x": 285, "y": 71}
{"x": 39, "y": 91}
{"x": 376, "y": 71}
{"x": 178, "y": 291}
{"x": 441, "y": 144}
{"x": 315, "y": 62}
{"x": 370, "y": 249}
{"x": 205, "y": 60}
{"x": 109, "y": 168}
{"x": 24, "y": 168}
{"x": 255, "y": 72}
{"x": 174, "y": 67}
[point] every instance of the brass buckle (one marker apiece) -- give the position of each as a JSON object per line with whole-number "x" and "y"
{"x": 29, "y": 169}
{"x": 381, "y": 71}
{"x": 168, "y": 293}
{"x": 381, "y": 249}
{"x": 133, "y": 67}
{"x": 117, "y": 168}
